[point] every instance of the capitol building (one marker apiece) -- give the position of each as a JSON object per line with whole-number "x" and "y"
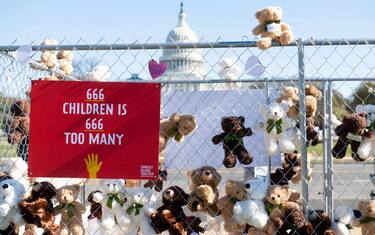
{"x": 183, "y": 64}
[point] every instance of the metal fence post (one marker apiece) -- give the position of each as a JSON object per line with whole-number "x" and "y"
{"x": 269, "y": 167}
{"x": 302, "y": 124}
{"x": 329, "y": 188}
{"x": 326, "y": 151}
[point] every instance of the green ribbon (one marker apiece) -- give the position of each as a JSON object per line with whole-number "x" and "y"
{"x": 270, "y": 207}
{"x": 115, "y": 196}
{"x": 274, "y": 124}
{"x": 232, "y": 200}
{"x": 367, "y": 219}
{"x": 69, "y": 209}
{"x": 270, "y": 22}
{"x": 134, "y": 207}
{"x": 233, "y": 137}
{"x": 174, "y": 131}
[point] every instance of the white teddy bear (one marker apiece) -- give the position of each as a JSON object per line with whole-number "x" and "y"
{"x": 229, "y": 72}
{"x": 113, "y": 201}
{"x": 11, "y": 193}
{"x": 281, "y": 135}
{"x": 140, "y": 206}
{"x": 15, "y": 168}
{"x": 252, "y": 210}
{"x": 367, "y": 147}
{"x": 343, "y": 216}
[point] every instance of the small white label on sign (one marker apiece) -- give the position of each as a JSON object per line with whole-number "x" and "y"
{"x": 354, "y": 137}
{"x": 274, "y": 27}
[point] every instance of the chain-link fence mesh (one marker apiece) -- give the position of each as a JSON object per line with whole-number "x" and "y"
{"x": 211, "y": 81}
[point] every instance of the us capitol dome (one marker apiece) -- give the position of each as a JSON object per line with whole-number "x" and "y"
{"x": 183, "y": 64}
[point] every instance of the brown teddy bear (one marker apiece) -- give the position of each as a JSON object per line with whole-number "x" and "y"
{"x": 321, "y": 223}
{"x": 367, "y": 220}
{"x": 95, "y": 208}
{"x": 295, "y": 223}
{"x": 235, "y": 191}
{"x": 232, "y": 138}
{"x": 204, "y": 193}
{"x": 271, "y": 28}
{"x": 37, "y": 209}
{"x": 350, "y": 132}
{"x": 177, "y": 126}
{"x": 70, "y": 209}
{"x": 157, "y": 184}
{"x": 278, "y": 200}
{"x": 171, "y": 216}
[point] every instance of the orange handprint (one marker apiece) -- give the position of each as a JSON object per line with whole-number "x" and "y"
{"x": 93, "y": 165}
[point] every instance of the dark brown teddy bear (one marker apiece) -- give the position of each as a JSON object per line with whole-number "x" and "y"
{"x": 350, "y": 132}
{"x": 232, "y": 138}
{"x": 295, "y": 223}
{"x": 95, "y": 208}
{"x": 37, "y": 209}
{"x": 171, "y": 216}
{"x": 321, "y": 223}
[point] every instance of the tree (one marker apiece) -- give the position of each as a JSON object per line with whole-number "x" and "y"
{"x": 363, "y": 94}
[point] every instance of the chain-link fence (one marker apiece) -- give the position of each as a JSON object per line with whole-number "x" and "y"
{"x": 319, "y": 81}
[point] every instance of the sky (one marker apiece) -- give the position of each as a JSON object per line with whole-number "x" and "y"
{"x": 230, "y": 20}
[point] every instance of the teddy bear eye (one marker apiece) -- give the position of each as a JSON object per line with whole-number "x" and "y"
{"x": 278, "y": 195}
{"x": 238, "y": 192}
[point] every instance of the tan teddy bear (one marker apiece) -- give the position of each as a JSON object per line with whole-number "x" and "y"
{"x": 367, "y": 221}
{"x": 204, "y": 193}
{"x": 279, "y": 199}
{"x": 271, "y": 28}
{"x": 177, "y": 126}
{"x": 70, "y": 209}
{"x": 235, "y": 191}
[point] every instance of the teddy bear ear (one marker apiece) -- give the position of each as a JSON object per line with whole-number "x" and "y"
{"x": 257, "y": 13}
{"x": 360, "y": 108}
{"x": 229, "y": 183}
{"x": 242, "y": 119}
{"x": 174, "y": 117}
{"x": 362, "y": 205}
{"x": 76, "y": 188}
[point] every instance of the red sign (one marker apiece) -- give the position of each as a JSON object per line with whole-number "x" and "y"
{"x": 94, "y": 130}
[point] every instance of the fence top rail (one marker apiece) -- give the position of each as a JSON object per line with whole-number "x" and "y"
{"x": 225, "y": 44}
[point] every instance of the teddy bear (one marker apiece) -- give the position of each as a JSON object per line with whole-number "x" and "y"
{"x": 312, "y": 135}
{"x": 112, "y": 199}
{"x": 12, "y": 229}
{"x": 320, "y": 222}
{"x": 228, "y": 72}
{"x": 293, "y": 162}
{"x": 11, "y": 193}
{"x": 271, "y": 28}
{"x": 252, "y": 211}
{"x": 71, "y": 210}
{"x": 171, "y": 216}
{"x": 204, "y": 193}
{"x": 277, "y": 201}
{"x": 367, "y": 146}
{"x": 235, "y": 191}
{"x": 177, "y": 126}
{"x": 295, "y": 223}
{"x": 280, "y": 131}
{"x": 157, "y": 184}
{"x": 15, "y": 168}
{"x": 343, "y": 219}
{"x": 139, "y": 208}
{"x": 234, "y": 131}
{"x": 351, "y": 132}
{"x": 95, "y": 208}
{"x": 367, "y": 220}
{"x": 37, "y": 209}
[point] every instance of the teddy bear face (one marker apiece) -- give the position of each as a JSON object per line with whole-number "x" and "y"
{"x": 175, "y": 196}
{"x": 232, "y": 124}
{"x": 274, "y": 111}
{"x": 43, "y": 189}
{"x": 278, "y": 195}
{"x": 11, "y": 191}
{"x": 256, "y": 188}
{"x": 67, "y": 194}
{"x": 367, "y": 208}
{"x": 289, "y": 94}
{"x": 139, "y": 195}
{"x": 205, "y": 175}
{"x": 313, "y": 91}
{"x": 236, "y": 190}
{"x": 20, "y": 108}
{"x": 186, "y": 124}
{"x": 369, "y": 109}
{"x": 355, "y": 123}
{"x": 112, "y": 186}
{"x": 269, "y": 14}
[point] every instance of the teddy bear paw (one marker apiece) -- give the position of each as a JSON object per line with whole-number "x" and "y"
{"x": 264, "y": 43}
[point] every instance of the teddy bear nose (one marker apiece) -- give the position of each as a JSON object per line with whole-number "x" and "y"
{"x": 275, "y": 113}
{"x": 168, "y": 192}
{"x": 247, "y": 185}
{"x": 273, "y": 198}
{"x": 207, "y": 173}
{"x": 5, "y": 186}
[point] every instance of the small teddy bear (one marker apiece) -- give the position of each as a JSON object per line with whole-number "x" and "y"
{"x": 234, "y": 131}
{"x": 177, "y": 126}
{"x": 171, "y": 216}
{"x": 139, "y": 208}
{"x": 367, "y": 147}
{"x": 277, "y": 201}
{"x": 280, "y": 131}
{"x": 320, "y": 222}
{"x": 350, "y": 132}
{"x": 229, "y": 72}
{"x": 71, "y": 210}
{"x": 204, "y": 193}
{"x": 367, "y": 220}
{"x": 293, "y": 162}
{"x": 343, "y": 217}
{"x": 37, "y": 209}
{"x": 157, "y": 184}
{"x": 235, "y": 191}
{"x": 295, "y": 223}
{"x": 11, "y": 193}
{"x": 251, "y": 211}
{"x": 271, "y": 28}
{"x": 112, "y": 200}
{"x": 95, "y": 208}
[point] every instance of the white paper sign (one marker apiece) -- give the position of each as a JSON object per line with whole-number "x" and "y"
{"x": 274, "y": 27}
{"x": 209, "y": 107}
